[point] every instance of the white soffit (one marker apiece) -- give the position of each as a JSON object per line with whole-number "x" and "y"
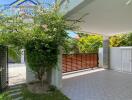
{"x": 104, "y": 16}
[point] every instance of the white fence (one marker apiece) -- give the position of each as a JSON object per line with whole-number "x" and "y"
{"x": 120, "y": 58}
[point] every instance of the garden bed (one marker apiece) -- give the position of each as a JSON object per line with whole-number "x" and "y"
{"x": 52, "y": 94}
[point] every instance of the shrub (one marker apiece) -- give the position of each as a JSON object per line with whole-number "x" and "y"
{"x": 121, "y": 40}
{"x": 118, "y": 40}
{"x": 70, "y": 46}
{"x": 129, "y": 39}
{"x": 41, "y": 56}
{"x": 91, "y": 43}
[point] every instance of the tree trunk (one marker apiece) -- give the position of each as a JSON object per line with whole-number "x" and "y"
{"x": 41, "y": 75}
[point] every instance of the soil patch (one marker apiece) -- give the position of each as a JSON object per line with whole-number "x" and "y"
{"x": 38, "y": 88}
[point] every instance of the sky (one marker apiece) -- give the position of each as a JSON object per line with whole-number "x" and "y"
{"x": 4, "y": 2}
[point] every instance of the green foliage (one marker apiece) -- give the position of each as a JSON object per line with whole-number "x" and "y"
{"x": 91, "y": 43}
{"x": 41, "y": 55}
{"x": 48, "y": 34}
{"x": 129, "y": 39}
{"x": 121, "y": 40}
{"x": 5, "y": 96}
{"x": 14, "y": 32}
{"x": 70, "y": 46}
{"x": 41, "y": 38}
{"x": 82, "y": 34}
{"x": 116, "y": 40}
{"x": 14, "y": 54}
{"x": 53, "y": 95}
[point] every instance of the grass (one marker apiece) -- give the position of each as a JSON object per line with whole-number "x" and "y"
{"x": 54, "y": 94}
{"x": 4, "y": 96}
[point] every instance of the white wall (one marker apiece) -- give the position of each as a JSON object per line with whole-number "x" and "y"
{"x": 30, "y": 76}
{"x": 115, "y": 58}
{"x": 120, "y": 58}
{"x": 126, "y": 59}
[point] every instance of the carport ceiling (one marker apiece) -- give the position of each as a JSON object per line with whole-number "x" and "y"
{"x": 103, "y": 16}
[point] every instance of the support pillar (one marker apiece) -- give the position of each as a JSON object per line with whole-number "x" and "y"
{"x": 106, "y": 52}
{"x": 56, "y": 78}
{"x": 23, "y": 56}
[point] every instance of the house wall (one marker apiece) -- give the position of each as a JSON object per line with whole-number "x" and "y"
{"x": 120, "y": 58}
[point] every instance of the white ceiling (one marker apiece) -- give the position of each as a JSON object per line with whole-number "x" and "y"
{"x": 104, "y": 16}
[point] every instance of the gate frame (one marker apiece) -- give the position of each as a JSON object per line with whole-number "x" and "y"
{"x": 6, "y": 69}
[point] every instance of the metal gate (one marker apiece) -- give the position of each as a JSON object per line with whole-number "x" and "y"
{"x": 75, "y": 62}
{"x": 3, "y": 67}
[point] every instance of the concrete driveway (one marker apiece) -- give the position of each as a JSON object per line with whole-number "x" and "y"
{"x": 17, "y": 74}
{"x": 100, "y": 85}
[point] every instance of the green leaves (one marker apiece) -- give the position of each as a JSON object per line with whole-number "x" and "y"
{"x": 14, "y": 54}
{"x": 129, "y": 39}
{"x": 90, "y": 43}
{"x": 121, "y": 40}
{"x": 41, "y": 54}
{"x": 41, "y": 38}
{"x": 70, "y": 46}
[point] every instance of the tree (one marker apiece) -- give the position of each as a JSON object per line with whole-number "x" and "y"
{"x": 121, "y": 40}
{"x": 12, "y": 33}
{"x": 118, "y": 40}
{"x": 70, "y": 46}
{"x": 48, "y": 34}
{"x": 41, "y": 39}
{"x": 83, "y": 34}
{"x": 129, "y": 39}
{"x": 91, "y": 43}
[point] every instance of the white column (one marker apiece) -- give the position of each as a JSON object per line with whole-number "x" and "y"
{"x": 22, "y": 56}
{"x": 106, "y": 52}
{"x": 30, "y": 75}
{"x": 56, "y": 78}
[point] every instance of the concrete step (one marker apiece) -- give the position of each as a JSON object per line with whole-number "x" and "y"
{"x": 16, "y": 94}
{"x": 18, "y": 98}
{"x": 16, "y": 87}
{"x": 14, "y": 90}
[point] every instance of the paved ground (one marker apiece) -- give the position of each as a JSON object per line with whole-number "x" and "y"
{"x": 101, "y": 85}
{"x": 17, "y": 74}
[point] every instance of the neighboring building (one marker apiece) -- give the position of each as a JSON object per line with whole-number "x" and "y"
{"x": 20, "y": 7}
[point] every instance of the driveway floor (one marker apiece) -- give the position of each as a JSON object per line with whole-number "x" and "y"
{"x": 101, "y": 85}
{"x": 17, "y": 74}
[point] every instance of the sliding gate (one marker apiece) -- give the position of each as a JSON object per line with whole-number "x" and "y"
{"x": 3, "y": 67}
{"x": 75, "y": 62}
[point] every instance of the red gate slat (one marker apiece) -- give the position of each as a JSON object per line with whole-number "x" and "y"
{"x": 75, "y": 62}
